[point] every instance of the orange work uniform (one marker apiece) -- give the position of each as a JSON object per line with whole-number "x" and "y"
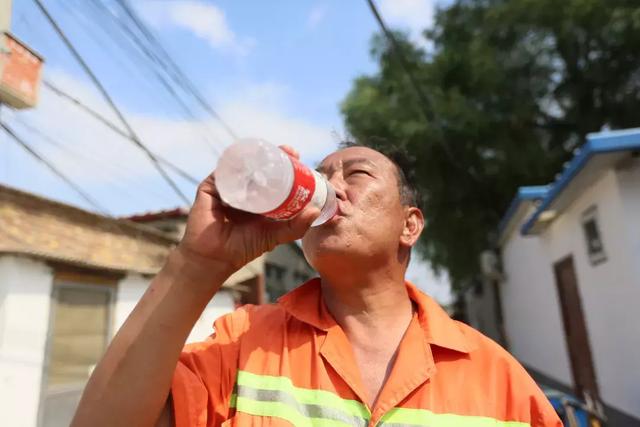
{"x": 291, "y": 364}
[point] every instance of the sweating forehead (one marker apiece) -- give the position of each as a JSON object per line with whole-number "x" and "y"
{"x": 356, "y": 154}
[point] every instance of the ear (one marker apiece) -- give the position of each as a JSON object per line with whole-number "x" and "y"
{"x": 413, "y": 226}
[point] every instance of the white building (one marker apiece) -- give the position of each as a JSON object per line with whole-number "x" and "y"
{"x": 68, "y": 280}
{"x": 571, "y": 265}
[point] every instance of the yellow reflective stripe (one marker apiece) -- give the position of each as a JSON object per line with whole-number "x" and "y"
{"x": 303, "y": 395}
{"x": 423, "y": 417}
{"x": 283, "y": 411}
{"x": 271, "y": 396}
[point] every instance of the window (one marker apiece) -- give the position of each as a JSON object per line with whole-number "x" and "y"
{"x": 300, "y": 277}
{"x": 274, "y": 272}
{"x": 593, "y": 238}
{"x": 79, "y": 331}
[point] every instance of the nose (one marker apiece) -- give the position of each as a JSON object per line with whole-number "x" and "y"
{"x": 338, "y": 186}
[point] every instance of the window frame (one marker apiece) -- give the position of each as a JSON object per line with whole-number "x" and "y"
{"x": 591, "y": 215}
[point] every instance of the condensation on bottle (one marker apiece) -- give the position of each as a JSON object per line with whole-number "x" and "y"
{"x": 255, "y": 176}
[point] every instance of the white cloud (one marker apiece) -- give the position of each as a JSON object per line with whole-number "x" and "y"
{"x": 109, "y": 167}
{"x": 264, "y": 110}
{"x": 414, "y": 15}
{"x": 205, "y": 20}
{"x": 316, "y": 16}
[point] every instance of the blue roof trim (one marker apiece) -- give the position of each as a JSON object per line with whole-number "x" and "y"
{"x": 597, "y": 143}
{"x": 524, "y": 193}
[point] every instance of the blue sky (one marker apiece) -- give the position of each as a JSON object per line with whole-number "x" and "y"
{"x": 276, "y": 70}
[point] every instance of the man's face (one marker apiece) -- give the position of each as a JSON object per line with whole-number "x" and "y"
{"x": 370, "y": 216}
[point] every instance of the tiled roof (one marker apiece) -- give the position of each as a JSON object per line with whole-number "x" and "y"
{"x": 178, "y": 212}
{"x": 36, "y": 226}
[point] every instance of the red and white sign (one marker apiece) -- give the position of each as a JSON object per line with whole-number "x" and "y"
{"x": 20, "y": 71}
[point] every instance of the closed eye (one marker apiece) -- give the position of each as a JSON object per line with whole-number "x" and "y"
{"x": 359, "y": 171}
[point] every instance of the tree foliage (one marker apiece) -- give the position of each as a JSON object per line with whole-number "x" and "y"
{"x": 514, "y": 86}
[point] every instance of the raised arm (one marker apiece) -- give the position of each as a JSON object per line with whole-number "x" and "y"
{"x": 131, "y": 384}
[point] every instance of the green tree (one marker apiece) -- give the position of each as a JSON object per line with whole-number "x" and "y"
{"x": 514, "y": 86}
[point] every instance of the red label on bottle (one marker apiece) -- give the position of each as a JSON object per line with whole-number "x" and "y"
{"x": 304, "y": 185}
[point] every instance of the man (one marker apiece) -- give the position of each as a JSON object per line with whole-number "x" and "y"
{"x": 357, "y": 347}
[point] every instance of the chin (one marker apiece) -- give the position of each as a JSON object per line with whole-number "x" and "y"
{"x": 322, "y": 249}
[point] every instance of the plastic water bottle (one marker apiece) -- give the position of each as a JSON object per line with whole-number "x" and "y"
{"x": 255, "y": 176}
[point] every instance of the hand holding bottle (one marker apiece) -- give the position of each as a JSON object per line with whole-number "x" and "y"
{"x": 230, "y": 238}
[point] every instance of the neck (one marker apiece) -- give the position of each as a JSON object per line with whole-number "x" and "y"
{"x": 374, "y": 298}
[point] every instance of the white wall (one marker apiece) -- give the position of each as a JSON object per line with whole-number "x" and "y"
{"x": 24, "y": 322}
{"x": 532, "y": 316}
{"x": 629, "y": 183}
{"x": 130, "y": 290}
{"x": 221, "y": 304}
{"x": 133, "y": 286}
{"x": 609, "y": 291}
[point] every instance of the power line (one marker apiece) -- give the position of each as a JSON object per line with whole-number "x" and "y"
{"x": 156, "y": 67}
{"x": 108, "y": 98}
{"x": 93, "y": 113}
{"x": 182, "y": 79}
{"x": 91, "y": 21}
{"x": 53, "y": 169}
{"x": 117, "y": 170}
{"x": 425, "y": 104}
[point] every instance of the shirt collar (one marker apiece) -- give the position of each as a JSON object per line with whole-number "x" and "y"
{"x": 305, "y": 303}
